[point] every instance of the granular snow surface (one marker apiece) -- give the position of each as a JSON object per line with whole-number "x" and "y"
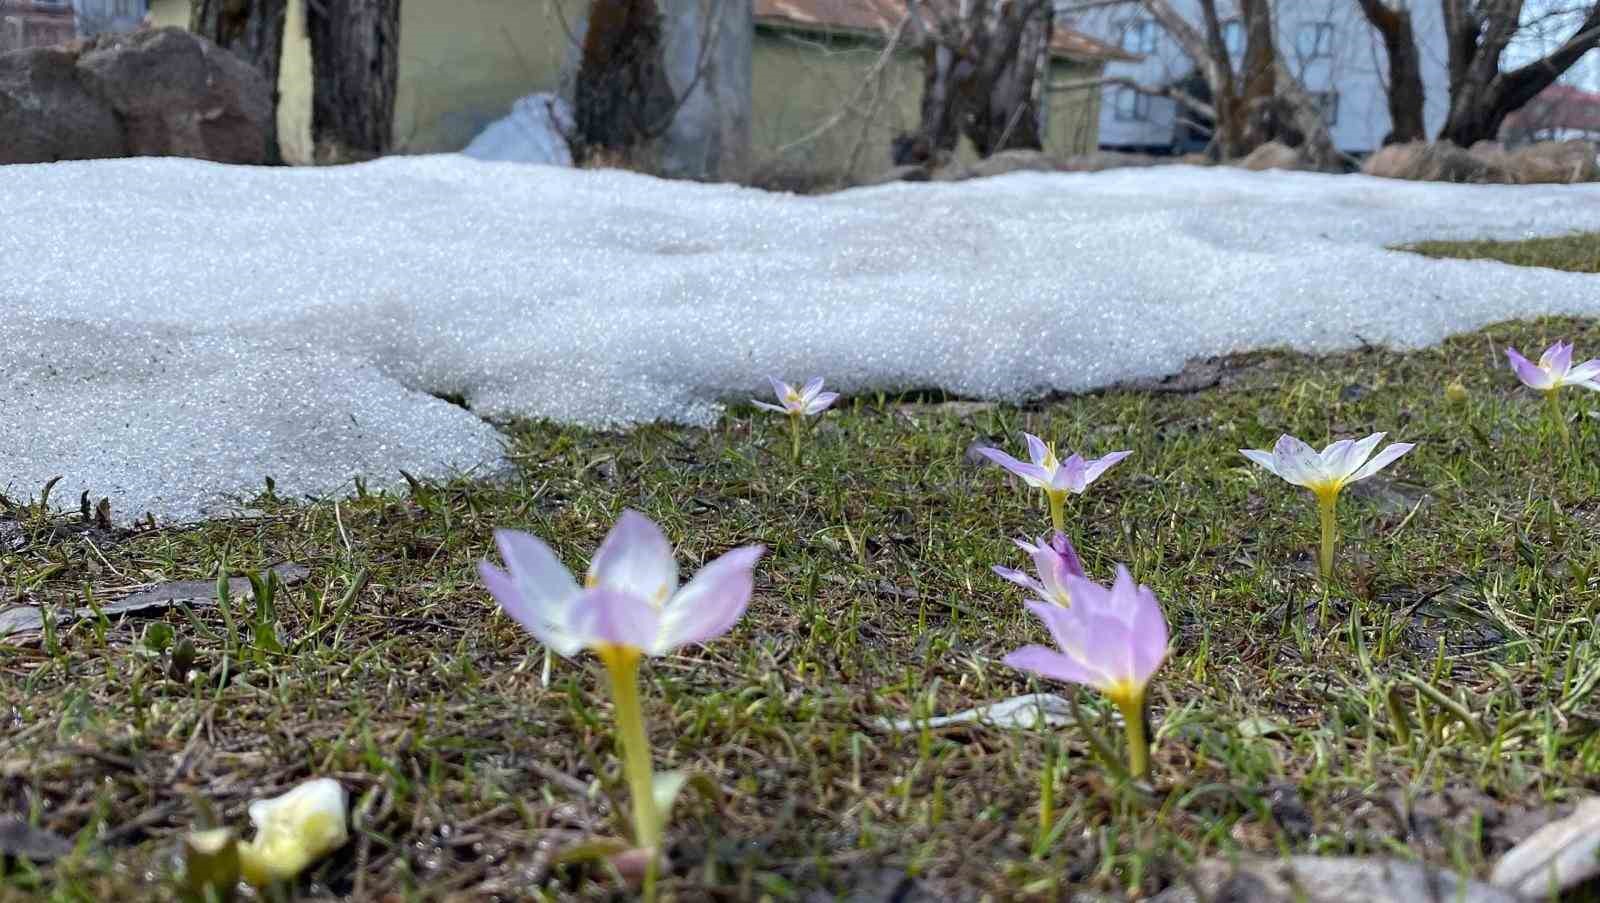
{"x": 172, "y": 332}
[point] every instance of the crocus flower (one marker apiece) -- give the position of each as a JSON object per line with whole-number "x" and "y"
{"x": 1055, "y": 560}
{"x": 1555, "y": 369}
{"x": 1056, "y": 477}
{"x": 1110, "y": 639}
{"x": 1325, "y": 473}
{"x": 293, "y": 831}
{"x": 630, "y": 605}
{"x": 799, "y": 404}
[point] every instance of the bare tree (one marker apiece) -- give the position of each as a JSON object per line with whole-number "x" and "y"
{"x": 1404, "y": 88}
{"x": 986, "y": 66}
{"x": 1482, "y": 91}
{"x": 355, "y": 61}
{"x": 623, "y": 98}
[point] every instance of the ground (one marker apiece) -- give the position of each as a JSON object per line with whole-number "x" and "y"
{"x": 1437, "y": 704}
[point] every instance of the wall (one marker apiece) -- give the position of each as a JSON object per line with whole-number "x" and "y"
{"x": 816, "y": 111}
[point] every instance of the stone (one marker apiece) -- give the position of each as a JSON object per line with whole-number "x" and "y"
{"x": 153, "y": 93}
{"x": 180, "y": 95}
{"x": 1009, "y": 161}
{"x": 1441, "y": 162}
{"x": 1272, "y": 155}
{"x": 47, "y": 115}
{"x": 1559, "y": 856}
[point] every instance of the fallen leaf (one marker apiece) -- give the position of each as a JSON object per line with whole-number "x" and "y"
{"x": 1018, "y": 712}
{"x": 194, "y": 593}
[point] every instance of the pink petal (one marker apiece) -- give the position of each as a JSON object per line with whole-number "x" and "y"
{"x": 1150, "y": 637}
{"x": 770, "y": 407}
{"x": 1069, "y": 475}
{"x": 1063, "y": 547}
{"x": 1557, "y": 359}
{"x": 1038, "y": 451}
{"x": 779, "y": 388}
{"x": 636, "y": 559}
{"x": 1355, "y": 454}
{"x": 546, "y": 619}
{"x": 1019, "y": 578}
{"x": 606, "y": 616}
{"x": 710, "y": 604}
{"x": 1049, "y": 663}
{"x": 1033, "y": 473}
{"x": 1099, "y": 466}
{"x": 1584, "y": 372}
{"x": 536, "y": 569}
{"x": 821, "y": 402}
{"x": 1532, "y": 376}
{"x": 811, "y": 388}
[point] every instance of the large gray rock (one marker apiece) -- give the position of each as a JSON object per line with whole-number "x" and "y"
{"x": 1443, "y": 162}
{"x": 156, "y": 93}
{"x": 1558, "y": 857}
{"x": 47, "y": 115}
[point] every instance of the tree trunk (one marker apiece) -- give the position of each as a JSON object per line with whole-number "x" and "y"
{"x": 1405, "y": 70}
{"x": 623, "y": 98}
{"x": 1481, "y": 94}
{"x": 355, "y": 57}
{"x": 252, "y": 30}
{"x": 983, "y": 76}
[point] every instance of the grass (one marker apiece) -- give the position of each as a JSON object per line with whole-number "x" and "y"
{"x": 1579, "y": 252}
{"x": 1449, "y": 696}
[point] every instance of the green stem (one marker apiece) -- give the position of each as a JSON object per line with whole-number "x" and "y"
{"x": 1058, "y": 509}
{"x": 1047, "y": 801}
{"x": 1326, "y": 505}
{"x": 794, "y": 435}
{"x": 1132, "y": 707}
{"x": 1552, "y": 400}
{"x": 622, "y": 666}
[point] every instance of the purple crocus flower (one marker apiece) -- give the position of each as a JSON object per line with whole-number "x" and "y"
{"x": 1054, "y": 559}
{"x": 803, "y": 402}
{"x": 1057, "y": 478}
{"x": 630, "y": 597}
{"x": 1555, "y": 369}
{"x": 1112, "y": 639}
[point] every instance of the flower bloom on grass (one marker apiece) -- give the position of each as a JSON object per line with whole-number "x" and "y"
{"x": 1326, "y": 473}
{"x": 807, "y": 401}
{"x": 294, "y": 830}
{"x": 1113, "y": 640}
{"x": 630, "y": 606}
{"x": 1057, "y": 478}
{"x": 1054, "y": 559}
{"x": 1555, "y": 369}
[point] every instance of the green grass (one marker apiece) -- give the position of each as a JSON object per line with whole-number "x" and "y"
{"x": 1470, "y": 566}
{"x": 1579, "y": 252}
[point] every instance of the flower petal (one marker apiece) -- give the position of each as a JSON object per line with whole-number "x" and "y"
{"x": 1095, "y": 468}
{"x": 710, "y": 603}
{"x": 1298, "y": 462}
{"x": 1038, "y": 451}
{"x": 536, "y": 569}
{"x": 1150, "y": 636}
{"x": 547, "y": 619}
{"x": 770, "y": 407}
{"x": 636, "y": 559}
{"x": 1557, "y": 359}
{"x": 1584, "y": 372}
{"x": 821, "y": 403}
{"x": 780, "y": 389}
{"x": 1070, "y": 475}
{"x": 1531, "y": 374}
{"x": 1356, "y": 454}
{"x": 1263, "y": 458}
{"x": 1032, "y": 473}
{"x": 1049, "y": 663}
{"x": 1019, "y": 578}
{"x": 606, "y": 616}
{"x": 1383, "y": 459}
{"x": 811, "y": 388}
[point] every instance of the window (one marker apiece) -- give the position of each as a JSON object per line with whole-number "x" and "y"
{"x": 1313, "y": 40}
{"x": 1328, "y": 103}
{"x": 1131, "y": 105}
{"x": 1233, "y": 37}
{"x": 1140, "y": 35}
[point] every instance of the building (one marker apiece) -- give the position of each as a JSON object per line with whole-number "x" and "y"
{"x": 464, "y": 62}
{"x": 100, "y": 16}
{"x": 1338, "y": 56}
{"x": 826, "y": 100}
{"x": 36, "y": 23}
{"x": 1559, "y": 113}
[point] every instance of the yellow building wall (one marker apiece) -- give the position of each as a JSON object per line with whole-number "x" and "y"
{"x": 815, "y": 111}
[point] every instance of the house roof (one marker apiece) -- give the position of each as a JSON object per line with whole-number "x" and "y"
{"x": 881, "y": 17}
{"x": 1560, "y": 107}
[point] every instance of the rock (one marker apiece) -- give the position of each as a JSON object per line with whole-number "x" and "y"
{"x": 1558, "y": 857}
{"x": 1557, "y": 162}
{"x": 1103, "y": 160}
{"x": 1272, "y": 155}
{"x": 1442, "y": 162}
{"x": 909, "y": 172}
{"x": 1317, "y": 879}
{"x": 535, "y": 131}
{"x": 162, "y": 92}
{"x": 180, "y": 95}
{"x": 1009, "y": 161}
{"x": 47, "y": 115}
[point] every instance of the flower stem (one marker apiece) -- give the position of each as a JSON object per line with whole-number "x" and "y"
{"x": 622, "y": 666}
{"x": 1058, "y": 510}
{"x": 794, "y": 436}
{"x": 1132, "y": 707}
{"x": 1326, "y": 505}
{"x": 1552, "y": 399}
